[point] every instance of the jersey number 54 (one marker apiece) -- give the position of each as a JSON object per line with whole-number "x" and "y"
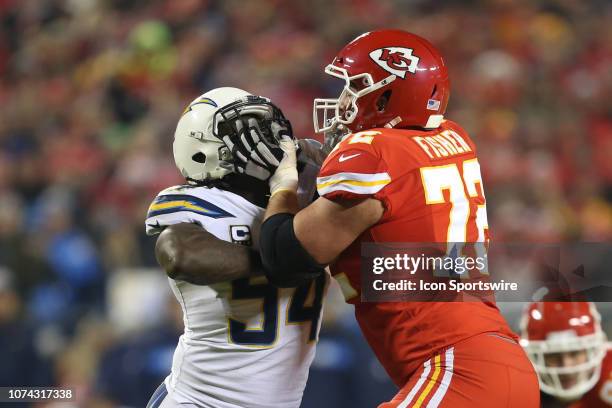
{"x": 297, "y": 311}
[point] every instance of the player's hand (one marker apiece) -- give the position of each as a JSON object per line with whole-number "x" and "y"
{"x": 253, "y": 152}
{"x": 310, "y": 151}
{"x": 251, "y": 155}
{"x": 333, "y": 137}
{"x": 285, "y": 178}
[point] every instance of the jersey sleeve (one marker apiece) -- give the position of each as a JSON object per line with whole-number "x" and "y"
{"x": 181, "y": 204}
{"x": 353, "y": 172}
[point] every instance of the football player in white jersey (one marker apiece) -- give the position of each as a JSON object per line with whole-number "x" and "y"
{"x": 246, "y": 343}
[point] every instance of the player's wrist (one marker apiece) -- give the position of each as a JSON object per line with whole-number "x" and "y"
{"x": 284, "y": 179}
{"x": 286, "y": 175}
{"x": 283, "y": 189}
{"x": 288, "y": 190}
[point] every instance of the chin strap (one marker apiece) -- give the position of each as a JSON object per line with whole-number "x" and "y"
{"x": 393, "y": 122}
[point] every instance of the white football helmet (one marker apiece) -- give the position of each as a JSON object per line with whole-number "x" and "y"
{"x": 198, "y": 153}
{"x": 213, "y": 128}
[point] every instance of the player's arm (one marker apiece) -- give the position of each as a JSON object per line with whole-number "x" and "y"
{"x": 188, "y": 252}
{"x": 300, "y": 243}
{"x": 325, "y": 228}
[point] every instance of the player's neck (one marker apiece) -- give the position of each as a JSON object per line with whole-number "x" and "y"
{"x": 251, "y": 189}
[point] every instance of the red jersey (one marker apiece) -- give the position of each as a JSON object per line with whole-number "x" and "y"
{"x": 600, "y": 395}
{"x": 431, "y": 188}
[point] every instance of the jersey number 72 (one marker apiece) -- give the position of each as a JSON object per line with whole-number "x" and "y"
{"x": 437, "y": 179}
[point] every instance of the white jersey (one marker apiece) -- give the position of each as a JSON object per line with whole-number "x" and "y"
{"x": 246, "y": 343}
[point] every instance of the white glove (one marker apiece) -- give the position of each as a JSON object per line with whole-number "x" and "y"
{"x": 285, "y": 177}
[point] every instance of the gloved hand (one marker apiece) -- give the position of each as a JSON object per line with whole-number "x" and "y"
{"x": 253, "y": 153}
{"x": 333, "y": 137}
{"x": 310, "y": 151}
{"x": 285, "y": 178}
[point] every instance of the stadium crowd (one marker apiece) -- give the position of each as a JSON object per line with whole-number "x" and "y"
{"x": 91, "y": 92}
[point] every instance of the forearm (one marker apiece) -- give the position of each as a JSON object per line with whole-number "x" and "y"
{"x": 283, "y": 202}
{"x": 189, "y": 253}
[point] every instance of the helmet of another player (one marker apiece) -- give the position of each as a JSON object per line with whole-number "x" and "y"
{"x": 566, "y": 346}
{"x": 391, "y": 78}
{"x": 200, "y": 152}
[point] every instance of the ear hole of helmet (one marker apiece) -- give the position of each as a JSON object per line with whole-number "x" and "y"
{"x": 383, "y": 100}
{"x": 433, "y": 91}
{"x": 199, "y": 157}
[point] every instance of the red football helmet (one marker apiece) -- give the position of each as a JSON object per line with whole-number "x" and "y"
{"x": 552, "y": 330}
{"x": 392, "y": 78}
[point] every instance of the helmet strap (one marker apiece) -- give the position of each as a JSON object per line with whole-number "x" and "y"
{"x": 393, "y": 122}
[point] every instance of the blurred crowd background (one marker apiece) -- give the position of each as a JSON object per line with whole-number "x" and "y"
{"x": 90, "y": 93}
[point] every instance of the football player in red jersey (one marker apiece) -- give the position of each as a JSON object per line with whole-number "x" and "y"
{"x": 404, "y": 174}
{"x": 570, "y": 353}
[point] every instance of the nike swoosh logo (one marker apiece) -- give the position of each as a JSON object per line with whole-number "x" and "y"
{"x": 345, "y": 158}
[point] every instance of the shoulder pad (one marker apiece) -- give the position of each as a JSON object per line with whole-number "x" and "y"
{"x": 180, "y": 204}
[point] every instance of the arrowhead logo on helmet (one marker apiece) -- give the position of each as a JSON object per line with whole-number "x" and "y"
{"x": 396, "y": 60}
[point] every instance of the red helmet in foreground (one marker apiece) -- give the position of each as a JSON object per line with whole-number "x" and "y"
{"x": 566, "y": 345}
{"x": 392, "y": 78}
